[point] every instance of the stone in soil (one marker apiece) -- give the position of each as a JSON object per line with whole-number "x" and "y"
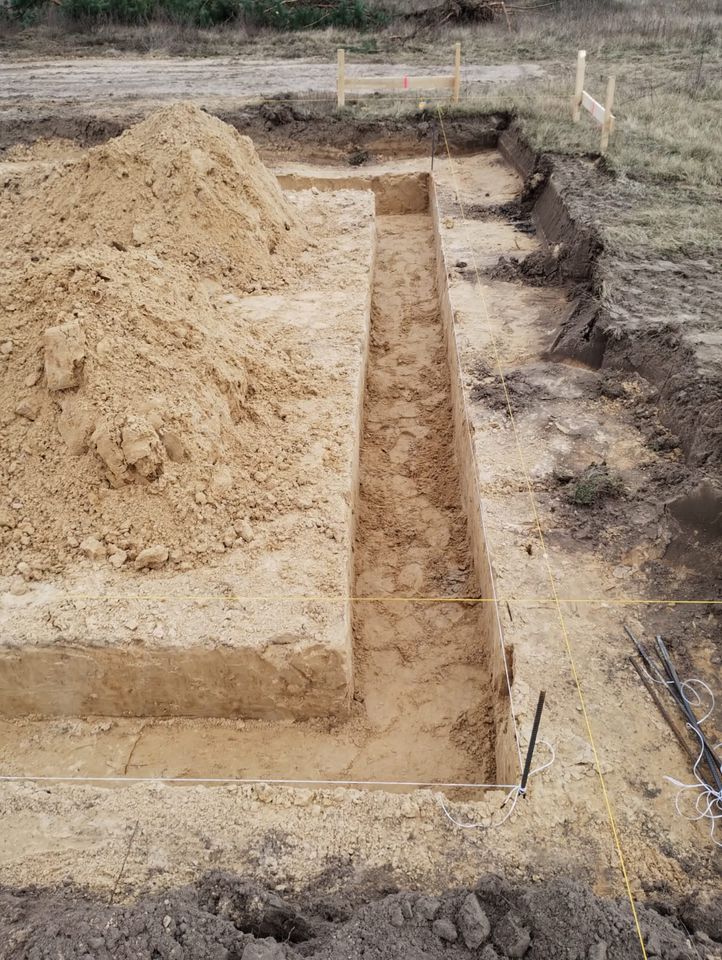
{"x": 473, "y": 922}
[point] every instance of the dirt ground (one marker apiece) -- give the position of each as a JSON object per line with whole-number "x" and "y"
{"x": 221, "y": 916}
{"x": 221, "y": 81}
{"x": 146, "y": 840}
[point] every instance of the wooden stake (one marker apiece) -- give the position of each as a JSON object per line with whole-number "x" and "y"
{"x": 579, "y": 87}
{"x": 341, "y": 79}
{"x": 608, "y": 118}
{"x": 506, "y": 14}
{"x": 457, "y": 73}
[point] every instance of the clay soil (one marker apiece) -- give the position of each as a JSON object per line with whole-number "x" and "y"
{"x": 222, "y": 916}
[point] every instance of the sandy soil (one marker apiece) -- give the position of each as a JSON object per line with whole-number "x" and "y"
{"x": 157, "y": 836}
{"x": 164, "y": 647}
{"x": 220, "y": 79}
{"x": 422, "y": 701}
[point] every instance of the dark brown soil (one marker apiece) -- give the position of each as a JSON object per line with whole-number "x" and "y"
{"x": 654, "y": 315}
{"x": 308, "y": 132}
{"x": 224, "y": 917}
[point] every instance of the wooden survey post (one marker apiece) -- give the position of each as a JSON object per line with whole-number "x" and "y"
{"x": 450, "y": 82}
{"x": 341, "y": 78}
{"x": 583, "y": 100}
{"x": 579, "y": 86}
{"x": 608, "y": 122}
{"x": 457, "y": 73}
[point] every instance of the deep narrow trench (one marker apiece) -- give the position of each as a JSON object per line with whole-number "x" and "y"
{"x": 421, "y": 668}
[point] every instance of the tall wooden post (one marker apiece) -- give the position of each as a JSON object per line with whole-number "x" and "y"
{"x": 341, "y": 79}
{"x": 579, "y": 86}
{"x": 457, "y": 73}
{"x": 608, "y": 123}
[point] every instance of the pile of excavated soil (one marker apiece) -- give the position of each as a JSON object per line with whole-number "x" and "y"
{"x": 181, "y": 184}
{"x": 222, "y": 917}
{"x": 136, "y": 401}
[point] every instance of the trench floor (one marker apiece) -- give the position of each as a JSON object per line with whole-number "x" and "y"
{"x": 422, "y": 709}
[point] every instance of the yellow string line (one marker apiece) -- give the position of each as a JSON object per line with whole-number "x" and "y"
{"x": 552, "y": 581}
{"x": 390, "y": 598}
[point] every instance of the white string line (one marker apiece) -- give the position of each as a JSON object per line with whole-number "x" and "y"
{"x": 708, "y": 799}
{"x": 515, "y": 792}
{"x": 708, "y": 802}
{"x": 252, "y": 780}
{"x": 384, "y": 598}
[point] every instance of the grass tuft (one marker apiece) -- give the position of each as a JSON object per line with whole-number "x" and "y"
{"x": 595, "y": 484}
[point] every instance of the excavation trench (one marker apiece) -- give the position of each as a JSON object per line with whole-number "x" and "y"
{"x": 421, "y": 667}
{"x": 429, "y": 702}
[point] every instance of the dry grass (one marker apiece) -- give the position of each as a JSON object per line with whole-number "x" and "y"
{"x": 666, "y": 55}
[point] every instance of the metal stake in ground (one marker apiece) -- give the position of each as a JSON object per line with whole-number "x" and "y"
{"x": 532, "y": 743}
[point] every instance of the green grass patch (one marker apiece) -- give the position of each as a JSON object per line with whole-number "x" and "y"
{"x": 595, "y": 484}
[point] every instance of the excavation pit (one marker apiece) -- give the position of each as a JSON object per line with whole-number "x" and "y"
{"x": 429, "y": 701}
{"x": 260, "y": 665}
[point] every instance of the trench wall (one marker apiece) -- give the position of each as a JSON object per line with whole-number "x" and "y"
{"x": 506, "y": 756}
{"x": 290, "y": 660}
{"x": 271, "y": 684}
{"x": 416, "y": 193}
{"x": 394, "y": 193}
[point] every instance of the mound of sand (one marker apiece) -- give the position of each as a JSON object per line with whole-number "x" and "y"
{"x": 181, "y": 184}
{"x": 135, "y": 399}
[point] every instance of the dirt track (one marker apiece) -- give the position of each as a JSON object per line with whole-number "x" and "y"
{"x": 96, "y": 80}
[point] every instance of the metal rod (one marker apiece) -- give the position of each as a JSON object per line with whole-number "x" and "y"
{"x": 663, "y": 710}
{"x": 433, "y": 144}
{"x": 709, "y": 755}
{"x": 532, "y": 742}
{"x": 674, "y": 686}
{"x": 651, "y": 666}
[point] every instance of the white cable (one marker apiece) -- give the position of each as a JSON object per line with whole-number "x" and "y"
{"x": 708, "y": 802}
{"x": 697, "y": 701}
{"x": 513, "y": 795}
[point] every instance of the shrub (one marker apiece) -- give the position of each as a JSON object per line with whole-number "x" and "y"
{"x": 279, "y": 14}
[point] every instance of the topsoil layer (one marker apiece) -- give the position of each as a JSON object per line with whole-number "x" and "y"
{"x": 223, "y": 917}
{"x": 655, "y": 315}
